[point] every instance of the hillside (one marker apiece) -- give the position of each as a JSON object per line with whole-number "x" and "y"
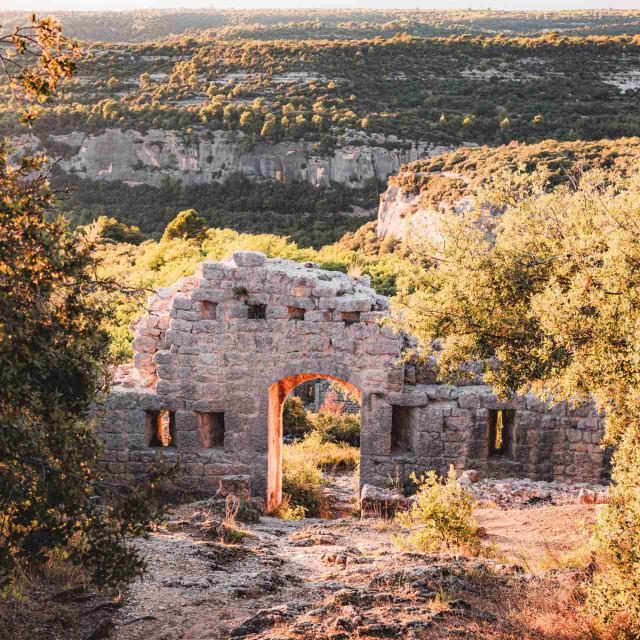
{"x": 143, "y": 25}
{"x": 147, "y": 129}
{"x": 451, "y": 180}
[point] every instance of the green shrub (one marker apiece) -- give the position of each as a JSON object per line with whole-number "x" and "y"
{"x": 295, "y": 421}
{"x": 337, "y": 428}
{"x": 441, "y": 516}
{"x": 614, "y": 594}
{"x": 326, "y": 455}
{"x": 301, "y": 480}
{"x": 187, "y": 225}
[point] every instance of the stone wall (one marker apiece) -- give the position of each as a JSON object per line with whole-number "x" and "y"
{"x": 217, "y": 354}
{"x": 450, "y": 425}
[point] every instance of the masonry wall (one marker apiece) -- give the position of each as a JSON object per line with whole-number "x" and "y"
{"x": 213, "y": 348}
{"x": 450, "y": 425}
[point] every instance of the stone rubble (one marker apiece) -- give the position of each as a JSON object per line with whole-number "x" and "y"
{"x": 524, "y": 492}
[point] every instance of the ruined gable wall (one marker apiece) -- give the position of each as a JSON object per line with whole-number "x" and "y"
{"x": 232, "y": 338}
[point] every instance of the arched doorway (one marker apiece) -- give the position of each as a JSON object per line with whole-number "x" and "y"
{"x": 278, "y": 393}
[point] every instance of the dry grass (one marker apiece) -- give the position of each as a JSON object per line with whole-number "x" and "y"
{"x": 51, "y": 601}
{"x": 326, "y": 456}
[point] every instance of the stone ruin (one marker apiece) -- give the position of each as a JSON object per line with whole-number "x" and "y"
{"x": 217, "y": 354}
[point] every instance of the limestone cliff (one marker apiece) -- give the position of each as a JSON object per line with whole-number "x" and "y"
{"x": 134, "y": 157}
{"x": 398, "y": 210}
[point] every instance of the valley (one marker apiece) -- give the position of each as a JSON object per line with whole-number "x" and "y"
{"x": 320, "y": 324}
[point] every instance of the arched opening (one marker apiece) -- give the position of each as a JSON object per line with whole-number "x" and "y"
{"x": 278, "y": 393}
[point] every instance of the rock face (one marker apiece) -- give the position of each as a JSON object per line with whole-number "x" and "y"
{"x": 398, "y": 211}
{"x": 205, "y": 157}
{"x": 218, "y": 353}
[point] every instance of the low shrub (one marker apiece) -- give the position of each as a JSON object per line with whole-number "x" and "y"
{"x": 295, "y": 421}
{"x": 337, "y": 428}
{"x": 301, "y": 479}
{"x": 441, "y": 517}
{"x": 326, "y": 456}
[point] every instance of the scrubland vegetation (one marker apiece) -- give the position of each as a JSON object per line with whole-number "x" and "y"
{"x": 139, "y": 26}
{"x": 543, "y": 293}
{"x": 441, "y": 518}
{"x": 316, "y": 444}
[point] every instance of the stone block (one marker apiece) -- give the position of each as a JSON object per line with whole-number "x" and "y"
{"x": 213, "y": 270}
{"x": 249, "y": 258}
{"x": 355, "y": 302}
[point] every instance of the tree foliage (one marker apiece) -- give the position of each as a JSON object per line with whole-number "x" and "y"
{"x": 547, "y": 297}
{"x": 53, "y": 353}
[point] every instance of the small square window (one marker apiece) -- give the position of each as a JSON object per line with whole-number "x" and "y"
{"x": 501, "y": 431}
{"x": 160, "y": 428}
{"x": 296, "y": 313}
{"x": 211, "y": 429}
{"x": 350, "y": 317}
{"x": 257, "y": 311}
{"x": 209, "y": 310}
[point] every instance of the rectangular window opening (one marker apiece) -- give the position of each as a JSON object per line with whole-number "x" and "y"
{"x": 400, "y": 429}
{"x": 295, "y": 313}
{"x": 211, "y": 429}
{"x": 501, "y": 431}
{"x": 209, "y": 310}
{"x": 257, "y": 311}
{"x": 350, "y": 317}
{"x": 160, "y": 428}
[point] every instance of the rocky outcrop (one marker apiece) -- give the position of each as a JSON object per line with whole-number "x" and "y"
{"x": 398, "y": 210}
{"x": 203, "y": 157}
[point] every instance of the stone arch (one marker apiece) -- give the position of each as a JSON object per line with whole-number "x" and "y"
{"x": 278, "y": 393}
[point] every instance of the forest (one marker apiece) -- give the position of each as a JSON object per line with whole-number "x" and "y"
{"x": 268, "y": 24}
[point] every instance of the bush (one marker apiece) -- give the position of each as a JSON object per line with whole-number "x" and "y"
{"x": 326, "y": 455}
{"x": 186, "y": 225}
{"x": 295, "y": 421}
{"x": 614, "y": 594}
{"x": 441, "y": 516}
{"x": 337, "y": 428}
{"x": 302, "y": 467}
{"x": 301, "y": 480}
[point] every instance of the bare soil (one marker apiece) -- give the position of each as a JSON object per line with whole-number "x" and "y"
{"x": 345, "y": 578}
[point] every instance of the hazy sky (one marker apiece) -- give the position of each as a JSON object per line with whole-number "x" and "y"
{"x": 99, "y": 5}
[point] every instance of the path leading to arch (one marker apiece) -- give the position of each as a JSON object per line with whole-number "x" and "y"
{"x": 339, "y": 579}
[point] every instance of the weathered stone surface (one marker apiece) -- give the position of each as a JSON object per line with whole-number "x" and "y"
{"x": 375, "y": 501}
{"x": 148, "y": 157}
{"x": 275, "y": 323}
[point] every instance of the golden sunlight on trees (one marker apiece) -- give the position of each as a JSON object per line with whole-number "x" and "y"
{"x": 547, "y": 297}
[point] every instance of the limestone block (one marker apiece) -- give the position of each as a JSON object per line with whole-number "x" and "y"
{"x": 144, "y": 344}
{"x": 249, "y": 258}
{"x": 382, "y": 346}
{"x": 378, "y": 502}
{"x": 180, "y": 325}
{"x": 209, "y": 294}
{"x": 237, "y": 485}
{"x": 234, "y": 309}
{"x": 325, "y": 290}
{"x": 182, "y": 302}
{"x": 356, "y": 302}
{"x": 375, "y": 444}
{"x": 212, "y": 270}
{"x": 327, "y": 303}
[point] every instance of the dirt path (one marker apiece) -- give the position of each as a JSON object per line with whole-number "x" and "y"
{"x": 334, "y": 579}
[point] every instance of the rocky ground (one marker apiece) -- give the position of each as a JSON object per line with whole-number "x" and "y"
{"x": 346, "y": 578}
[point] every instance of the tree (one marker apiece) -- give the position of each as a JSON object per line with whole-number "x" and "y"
{"x": 186, "y": 225}
{"x": 34, "y": 59}
{"x": 53, "y": 353}
{"x": 549, "y": 301}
